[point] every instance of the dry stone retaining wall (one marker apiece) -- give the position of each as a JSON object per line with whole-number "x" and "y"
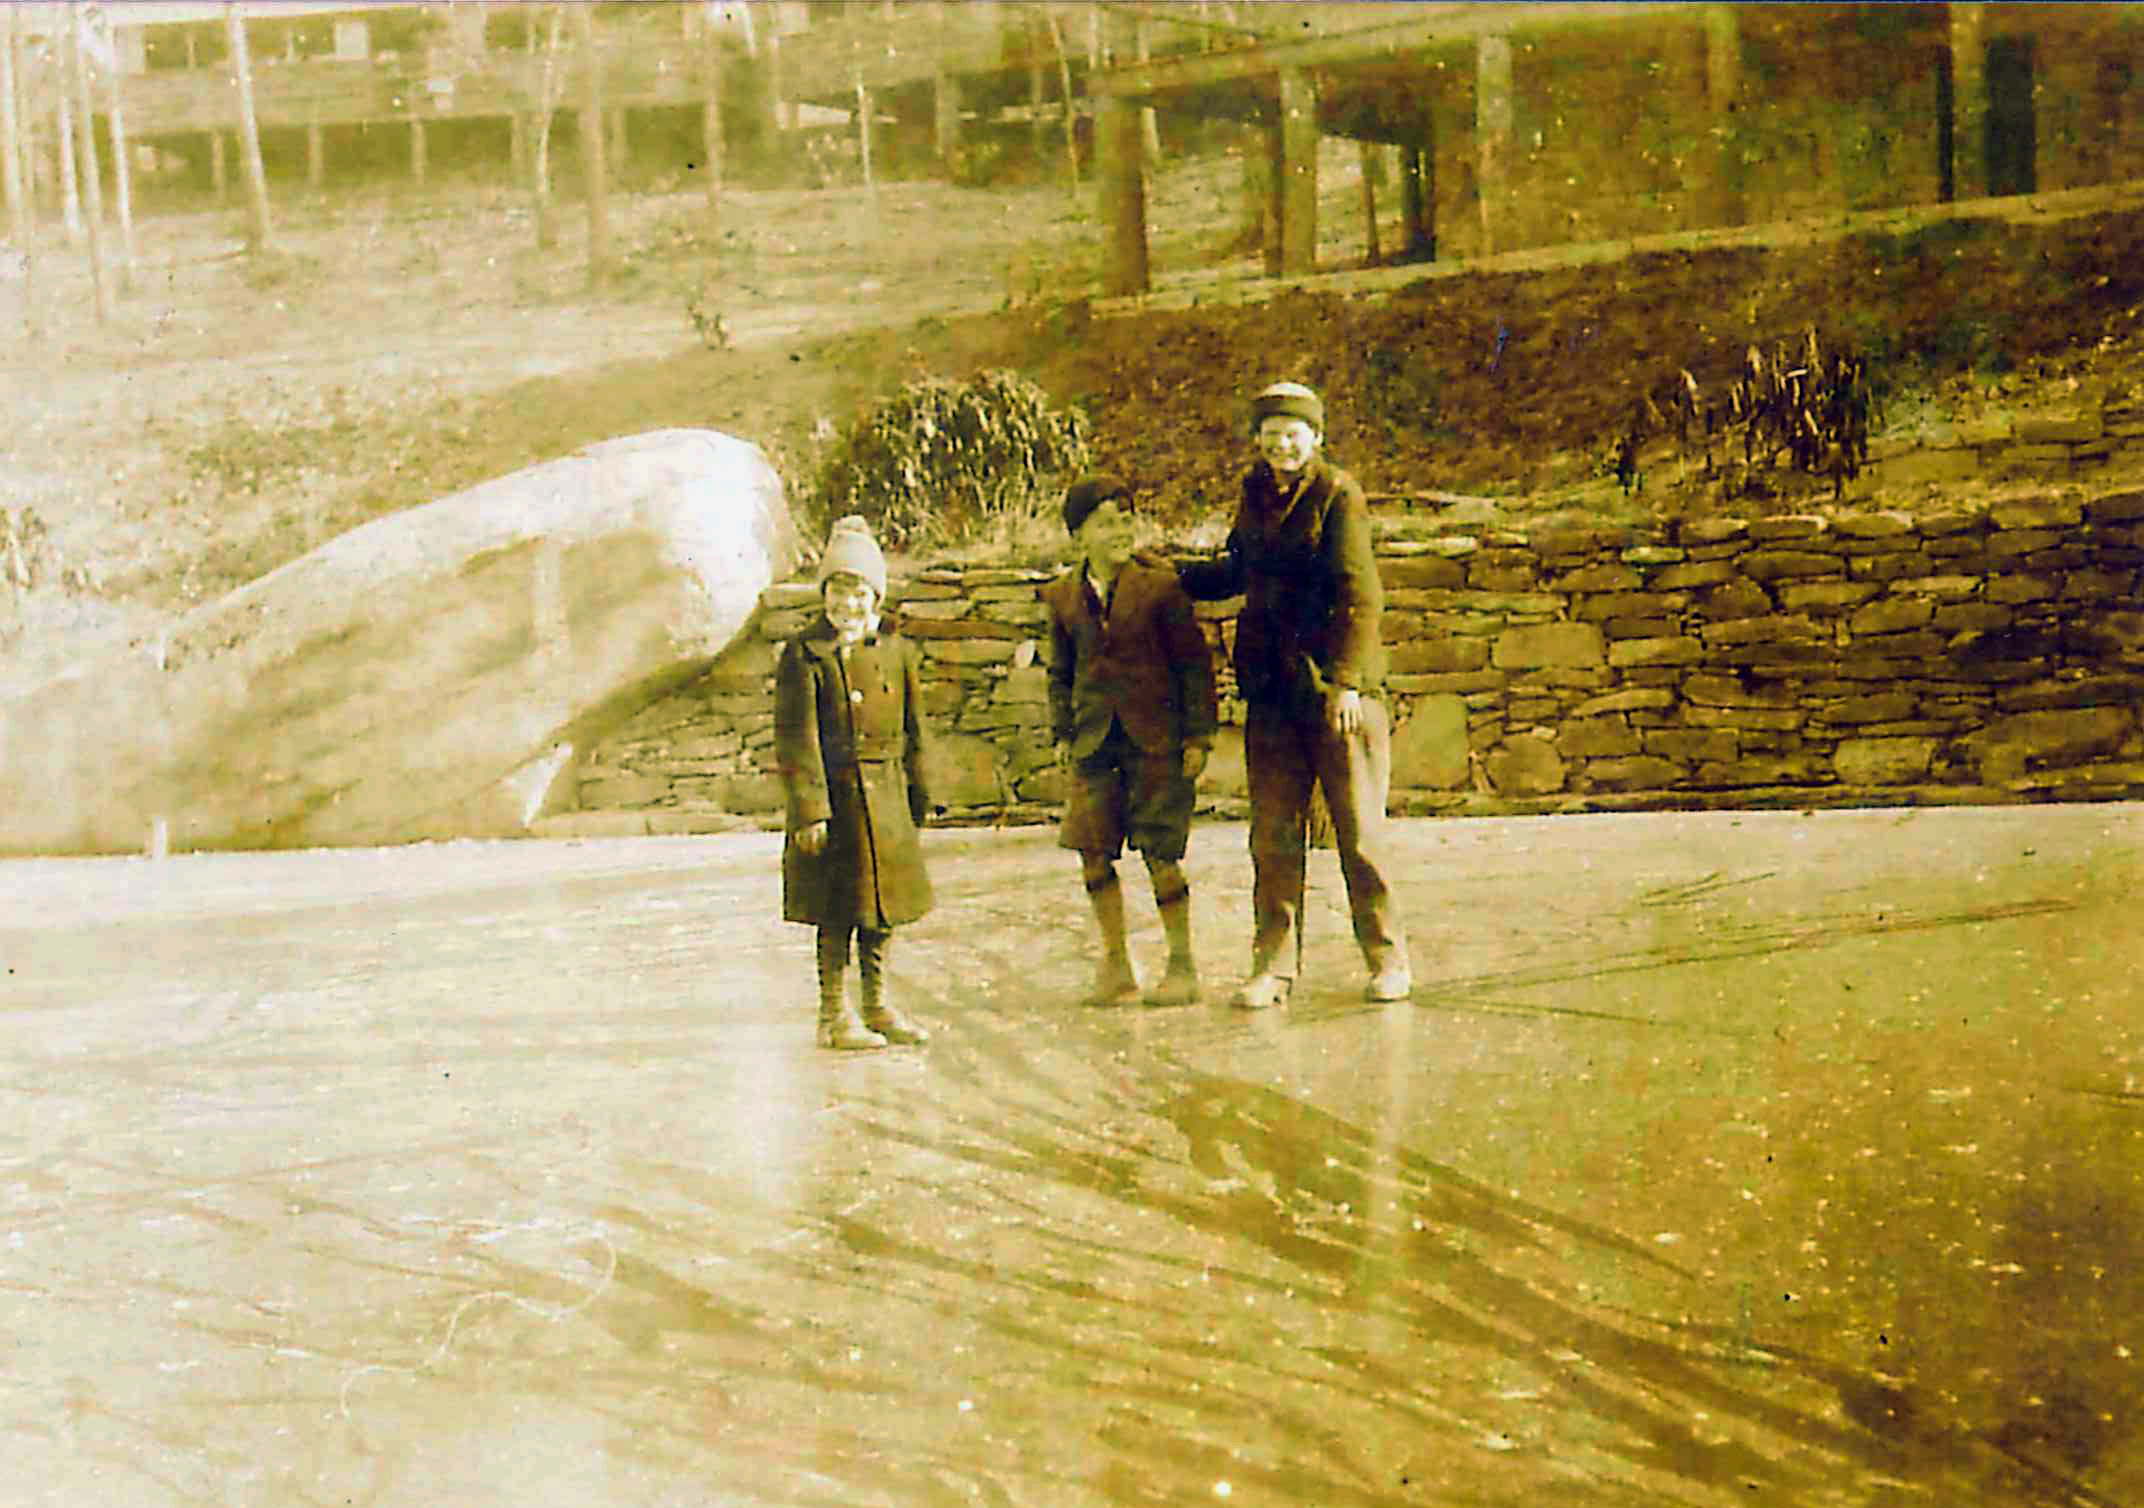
{"x": 1977, "y": 655}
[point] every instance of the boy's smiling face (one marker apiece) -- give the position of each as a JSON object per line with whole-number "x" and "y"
{"x": 1105, "y": 538}
{"x": 851, "y": 604}
{"x": 1287, "y": 443}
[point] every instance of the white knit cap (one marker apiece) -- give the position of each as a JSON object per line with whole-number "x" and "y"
{"x": 851, "y": 549}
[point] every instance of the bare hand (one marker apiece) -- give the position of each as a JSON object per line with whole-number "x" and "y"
{"x": 1194, "y": 761}
{"x": 812, "y": 838}
{"x": 1346, "y": 712}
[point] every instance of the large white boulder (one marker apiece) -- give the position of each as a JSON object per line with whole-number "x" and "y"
{"x": 427, "y": 675}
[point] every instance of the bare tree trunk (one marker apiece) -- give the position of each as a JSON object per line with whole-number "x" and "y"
{"x": 711, "y": 143}
{"x": 11, "y": 137}
{"x": 546, "y": 108}
{"x": 122, "y": 178}
{"x": 592, "y": 148}
{"x": 63, "y": 131}
{"x": 21, "y": 171}
{"x": 86, "y": 163}
{"x": 1064, "y": 89}
{"x": 249, "y": 133}
{"x": 864, "y": 108}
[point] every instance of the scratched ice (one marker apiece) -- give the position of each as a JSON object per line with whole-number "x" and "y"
{"x": 461, "y": 1174}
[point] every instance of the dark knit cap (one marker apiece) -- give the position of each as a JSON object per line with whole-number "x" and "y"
{"x": 1088, "y": 494}
{"x": 1291, "y": 399}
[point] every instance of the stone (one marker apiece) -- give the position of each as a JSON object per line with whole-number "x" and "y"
{"x": 1884, "y": 525}
{"x": 2015, "y": 589}
{"x": 1733, "y": 691}
{"x": 1711, "y": 531}
{"x": 2009, "y": 746}
{"x": 1653, "y": 555}
{"x": 1624, "y": 653}
{"x": 962, "y": 769}
{"x": 1225, "y": 773}
{"x": 1598, "y": 578}
{"x": 1418, "y": 656}
{"x": 1691, "y": 744}
{"x": 1677, "y": 578}
{"x": 1429, "y": 748}
{"x": 1892, "y": 615}
{"x": 1525, "y": 766}
{"x": 1772, "y": 565}
{"x": 1552, "y": 644}
{"x": 2116, "y": 508}
{"x": 1639, "y": 772}
{"x": 1791, "y": 769}
{"x": 411, "y": 677}
{"x": 1776, "y": 628}
{"x": 1883, "y": 761}
{"x": 1600, "y": 605}
{"x": 1826, "y": 597}
{"x": 1595, "y": 738}
{"x": 1635, "y": 699}
{"x": 1788, "y": 526}
{"x": 1735, "y": 599}
{"x": 1421, "y": 571}
{"x": 2035, "y": 513}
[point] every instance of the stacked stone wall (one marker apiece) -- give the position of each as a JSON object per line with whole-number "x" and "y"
{"x": 1878, "y": 658}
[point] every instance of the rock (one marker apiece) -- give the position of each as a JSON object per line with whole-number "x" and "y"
{"x": 417, "y": 676}
{"x": 1525, "y": 767}
{"x": 1429, "y": 749}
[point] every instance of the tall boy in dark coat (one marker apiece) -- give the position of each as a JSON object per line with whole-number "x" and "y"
{"x": 1132, "y": 708}
{"x": 1310, "y": 664}
{"x": 848, "y": 737}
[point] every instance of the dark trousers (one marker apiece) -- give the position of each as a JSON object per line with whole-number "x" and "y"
{"x": 1284, "y": 757}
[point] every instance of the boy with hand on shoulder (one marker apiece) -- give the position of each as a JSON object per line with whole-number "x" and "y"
{"x": 1133, "y": 711}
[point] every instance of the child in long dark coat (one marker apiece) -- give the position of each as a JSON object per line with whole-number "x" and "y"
{"x": 849, "y": 740}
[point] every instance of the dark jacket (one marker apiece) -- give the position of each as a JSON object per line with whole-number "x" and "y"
{"x": 1301, "y": 558}
{"x": 849, "y": 741}
{"x": 1143, "y": 663}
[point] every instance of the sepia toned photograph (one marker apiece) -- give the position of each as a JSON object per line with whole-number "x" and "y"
{"x": 1071, "y": 754}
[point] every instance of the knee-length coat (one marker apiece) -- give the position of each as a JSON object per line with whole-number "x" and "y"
{"x": 849, "y": 741}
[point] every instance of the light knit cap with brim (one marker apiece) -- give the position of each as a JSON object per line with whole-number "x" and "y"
{"x": 851, "y": 550}
{"x": 1290, "y": 399}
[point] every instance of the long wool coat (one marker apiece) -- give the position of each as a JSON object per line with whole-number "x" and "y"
{"x": 849, "y": 740}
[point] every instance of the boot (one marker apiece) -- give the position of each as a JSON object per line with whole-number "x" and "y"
{"x": 839, "y": 1025}
{"x": 1116, "y": 982}
{"x": 1180, "y": 985}
{"x": 880, "y": 1015}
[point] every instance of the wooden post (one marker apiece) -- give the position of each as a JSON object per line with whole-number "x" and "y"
{"x": 316, "y": 154}
{"x": 1723, "y": 85}
{"x": 1969, "y": 100}
{"x": 1492, "y": 133}
{"x": 1418, "y": 198}
{"x": 1372, "y": 168}
{"x": 418, "y": 162}
{"x": 592, "y": 169}
{"x": 86, "y": 161}
{"x": 712, "y": 145}
{"x": 1120, "y": 173}
{"x": 122, "y": 177}
{"x": 1149, "y": 123}
{"x": 945, "y": 115}
{"x": 1298, "y": 175}
{"x": 620, "y": 155}
{"x": 249, "y": 135}
{"x": 1273, "y": 153}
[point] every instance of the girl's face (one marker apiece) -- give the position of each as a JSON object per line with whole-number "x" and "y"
{"x": 851, "y": 604}
{"x": 1286, "y": 442}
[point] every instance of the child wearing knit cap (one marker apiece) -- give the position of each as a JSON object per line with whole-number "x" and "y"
{"x": 1133, "y": 710}
{"x": 849, "y": 741}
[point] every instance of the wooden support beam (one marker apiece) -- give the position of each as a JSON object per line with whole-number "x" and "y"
{"x": 1492, "y": 139}
{"x": 1969, "y": 101}
{"x": 1274, "y": 154}
{"x": 1299, "y": 174}
{"x": 945, "y": 115}
{"x": 249, "y": 134}
{"x": 19, "y": 210}
{"x": 1418, "y": 200}
{"x": 1120, "y": 169}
